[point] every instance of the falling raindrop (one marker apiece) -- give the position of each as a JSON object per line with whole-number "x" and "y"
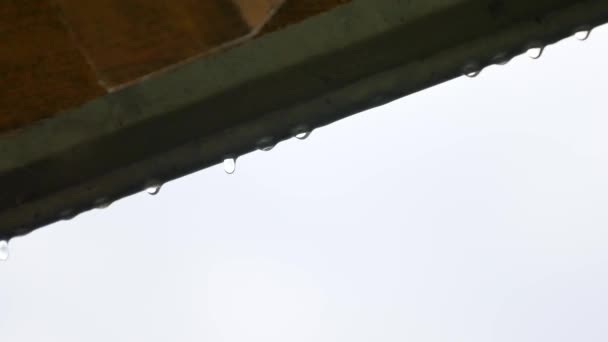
{"x": 471, "y": 70}
{"x": 230, "y": 165}
{"x": 154, "y": 190}
{"x": 582, "y": 34}
{"x": 266, "y": 144}
{"x": 4, "y": 252}
{"x": 302, "y": 135}
{"x": 536, "y": 52}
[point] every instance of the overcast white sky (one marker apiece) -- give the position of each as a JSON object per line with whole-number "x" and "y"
{"x": 472, "y": 211}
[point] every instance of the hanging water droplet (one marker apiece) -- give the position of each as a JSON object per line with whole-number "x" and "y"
{"x": 67, "y": 214}
{"x": 266, "y": 144}
{"x": 301, "y": 132}
{"x": 582, "y": 34}
{"x": 230, "y": 165}
{"x": 102, "y": 203}
{"x": 4, "y": 252}
{"x": 154, "y": 190}
{"x": 501, "y": 59}
{"x": 302, "y": 135}
{"x": 471, "y": 70}
{"x": 536, "y": 52}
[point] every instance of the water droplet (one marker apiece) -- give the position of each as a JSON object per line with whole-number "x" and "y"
{"x": 67, "y": 214}
{"x": 154, "y": 189}
{"x": 4, "y": 252}
{"x": 302, "y": 135}
{"x": 536, "y": 52}
{"x": 471, "y": 70}
{"x": 266, "y": 144}
{"x": 102, "y": 203}
{"x": 229, "y": 165}
{"x": 301, "y": 132}
{"x": 501, "y": 59}
{"x": 472, "y": 74}
{"x": 582, "y": 34}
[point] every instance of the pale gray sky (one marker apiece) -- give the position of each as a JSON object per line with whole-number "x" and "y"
{"x": 472, "y": 211}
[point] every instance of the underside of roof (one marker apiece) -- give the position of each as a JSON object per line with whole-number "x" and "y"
{"x": 60, "y": 54}
{"x": 106, "y": 98}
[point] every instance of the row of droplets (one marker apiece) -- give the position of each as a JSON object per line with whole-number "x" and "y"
{"x": 472, "y": 70}
{"x": 265, "y": 144}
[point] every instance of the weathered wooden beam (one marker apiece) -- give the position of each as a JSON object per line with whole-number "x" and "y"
{"x": 352, "y": 58}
